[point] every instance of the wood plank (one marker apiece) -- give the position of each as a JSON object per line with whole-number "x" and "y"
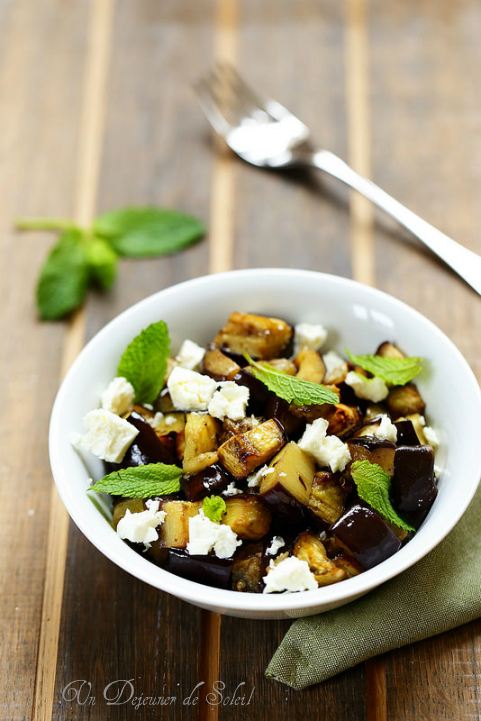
{"x": 152, "y": 128}
{"x": 38, "y": 92}
{"x": 426, "y": 152}
{"x": 310, "y": 228}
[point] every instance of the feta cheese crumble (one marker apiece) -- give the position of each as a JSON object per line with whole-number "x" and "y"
{"x": 204, "y": 535}
{"x": 326, "y": 450}
{"x": 387, "y": 430}
{"x": 156, "y": 420}
{"x": 336, "y": 367}
{"x": 372, "y": 389}
{"x": 190, "y": 391}
{"x": 431, "y": 436}
{"x": 230, "y": 401}
{"x": 277, "y": 543}
{"x": 190, "y": 355}
{"x": 289, "y": 576}
{"x": 231, "y": 490}
{"x": 255, "y": 479}
{"x": 108, "y": 436}
{"x": 118, "y": 397}
{"x": 308, "y": 336}
{"x": 140, "y": 527}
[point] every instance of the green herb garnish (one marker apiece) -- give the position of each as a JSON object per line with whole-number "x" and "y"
{"x": 292, "y": 389}
{"x": 144, "y": 362}
{"x": 84, "y": 257}
{"x": 153, "y": 479}
{"x": 214, "y": 508}
{"x": 373, "y": 485}
{"x": 397, "y": 371}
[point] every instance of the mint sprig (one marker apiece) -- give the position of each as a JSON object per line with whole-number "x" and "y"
{"x": 84, "y": 257}
{"x": 153, "y": 479}
{"x": 144, "y": 362}
{"x": 214, "y": 508}
{"x": 292, "y": 389}
{"x": 373, "y": 486}
{"x": 397, "y": 371}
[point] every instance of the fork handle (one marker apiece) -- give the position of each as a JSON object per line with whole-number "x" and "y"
{"x": 466, "y": 263}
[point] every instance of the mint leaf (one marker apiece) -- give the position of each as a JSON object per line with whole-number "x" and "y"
{"x": 292, "y": 389}
{"x": 102, "y": 262}
{"x": 143, "y": 232}
{"x": 154, "y": 479}
{"x": 214, "y": 508}
{"x": 144, "y": 362}
{"x": 64, "y": 277}
{"x": 397, "y": 371}
{"x": 373, "y": 485}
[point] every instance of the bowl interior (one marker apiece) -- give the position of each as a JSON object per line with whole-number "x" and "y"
{"x": 357, "y": 317}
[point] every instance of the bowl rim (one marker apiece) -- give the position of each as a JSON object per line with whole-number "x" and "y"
{"x": 229, "y": 600}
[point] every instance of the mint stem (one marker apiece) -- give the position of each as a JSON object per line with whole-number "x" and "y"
{"x": 44, "y": 224}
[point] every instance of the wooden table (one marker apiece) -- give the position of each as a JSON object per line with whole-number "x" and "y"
{"x": 97, "y": 113}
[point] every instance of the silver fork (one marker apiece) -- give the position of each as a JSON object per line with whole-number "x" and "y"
{"x": 266, "y": 134}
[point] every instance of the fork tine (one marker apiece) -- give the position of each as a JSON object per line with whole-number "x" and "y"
{"x": 209, "y": 104}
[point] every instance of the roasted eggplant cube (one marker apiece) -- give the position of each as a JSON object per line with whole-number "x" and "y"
{"x": 414, "y": 485}
{"x": 219, "y": 366}
{"x": 201, "y": 440}
{"x": 146, "y": 447}
{"x": 365, "y": 536}
{"x": 280, "y": 409}
{"x": 374, "y": 450}
{"x": 258, "y": 335}
{"x": 310, "y": 366}
{"x": 249, "y": 568}
{"x": 213, "y": 479}
{"x": 121, "y": 506}
{"x": 287, "y": 485}
{"x": 308, "y": 547}
{"x": 209, "y": 570}
{"x": 258, "y": 392}
{"x": 243, "y": 453}
{"x": 406, "y": 435}
{"x": 404, "y": 400}
{"x": 248, "y": 516}
{"x": 174, "y": 531}
{"x": 389, "y": 350}
{"x": 327, "y": 497}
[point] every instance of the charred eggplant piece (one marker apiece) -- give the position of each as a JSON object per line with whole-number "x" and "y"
{"x": 247, "y": 516}
{"x": 234, "y": 428}
{"x": 280, "y": 410}
{"x": 414, "y": 485}
{"x": 174, "y": 531}
{"x": 218, "y": 365}
{"x": 258, "y": 392}
{"x": 327, "y": 497}
{"x": 310, "y": 366}
{"x": 284, "y": 365}
{"x": 146, "y": 447}
{"x": 374, "y": 450}
{"x": 258, "y": 335}
{"x": 209, "y": 570}
{"x": 242, "y": 454}
{"x": 389, "y": 350}
{"x": 201, "y": 434}
{"x": 134, "y": 505}
{"x": 249, "y": 568}
{"x": 212, "y": 479}
{"x": 404, "y": 400}
{"x": 310, "y": 548}
{"x": 365, "y": 536}
{"x": 406, "y": 435}
{"x": 287, "y": 486}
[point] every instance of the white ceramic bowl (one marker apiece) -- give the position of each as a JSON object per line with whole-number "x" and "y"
{"x": 358, "y": 317}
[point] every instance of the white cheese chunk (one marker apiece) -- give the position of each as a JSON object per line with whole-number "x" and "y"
{"x": 230, "y": 401}
{"x": 326, "y": 450}
{"x": 308, "y": 336}
{"x": 336, "y": 367}
{"x": 386, "y": 430}
{"x": 156, "y": 420}
{"x": 190, "y": 391}
{"x": 431, "y": 436}
{"x": 140, "y": 527}
{"x": 277, "y": 543}
{"x": 108, "y": 436}
{"x": 118, "y": 397}
{"x": 255, "y": 479}
{"x": 204, "y": 535}
{"x": 372, "y": 389}
{"x": 231, "y": 490}
{"x": 289, "y": 576}
{"x": 190, "y": 355}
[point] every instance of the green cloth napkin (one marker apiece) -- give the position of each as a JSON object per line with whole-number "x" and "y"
{"x": 440, "y": 592}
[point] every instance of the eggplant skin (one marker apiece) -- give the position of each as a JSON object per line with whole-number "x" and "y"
{"x": 365, "y": 536}
{"x": 209, "y": 570}
{"x": 414, "y": 485}
{"x": 249, "y": 568}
